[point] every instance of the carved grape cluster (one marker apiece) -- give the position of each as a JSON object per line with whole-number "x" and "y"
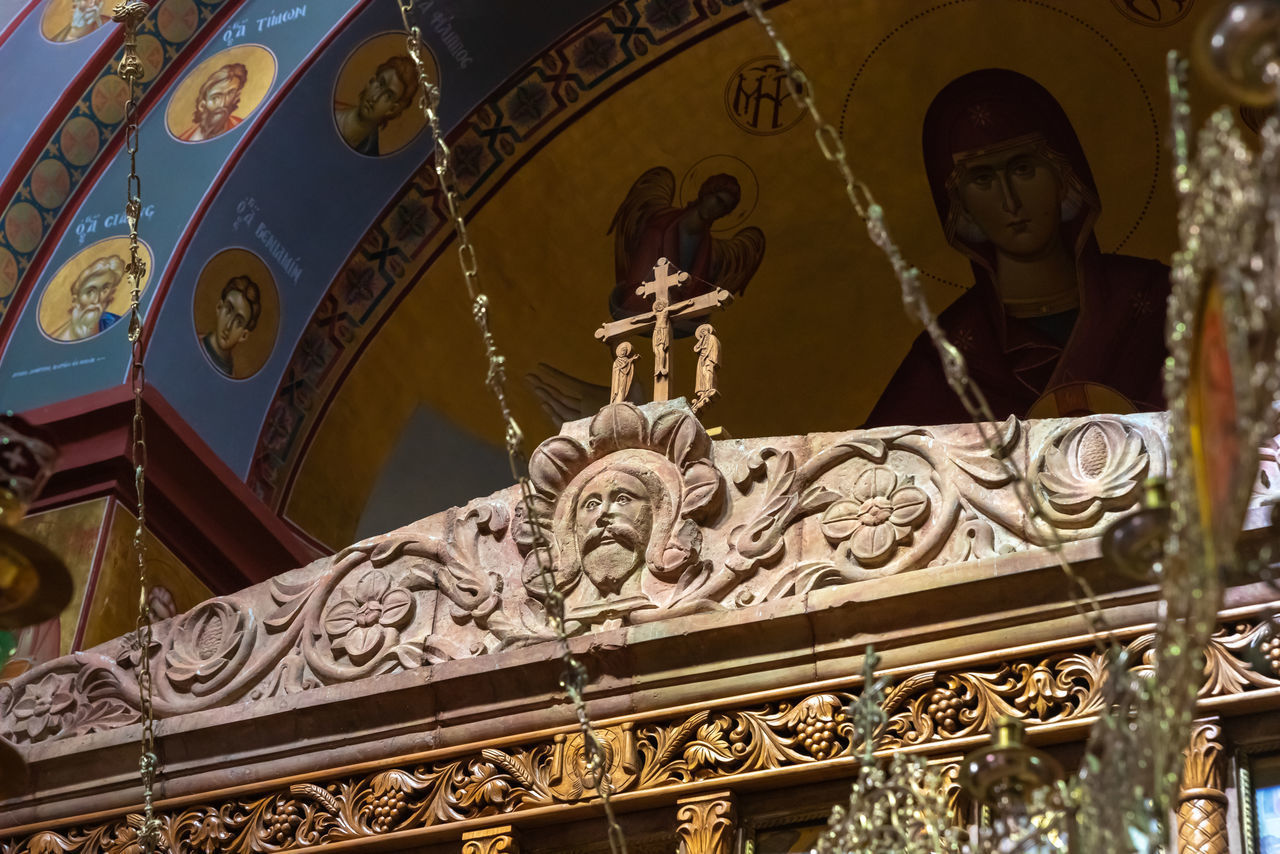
{"x": 282, "y": 822}
{"x": 818, "y": 736}
{"x": 1270, "y": 649}
{"x": 387, "y": 809}
{"x": 944, "y": 708}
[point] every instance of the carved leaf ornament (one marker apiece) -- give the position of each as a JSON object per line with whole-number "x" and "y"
{"x": 208, "y": 646}
{"x": 709, "y": 744}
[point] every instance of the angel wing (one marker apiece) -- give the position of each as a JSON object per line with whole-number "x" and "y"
{"x": 653, "y": 191}
{"x": 734, "y": 260}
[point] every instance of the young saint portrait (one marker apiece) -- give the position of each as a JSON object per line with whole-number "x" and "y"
{"x": 220, "y": 93}
{"x": 89, "y": 293}
{"x": 236, "y": 313}
{"x": 375, "y": 97}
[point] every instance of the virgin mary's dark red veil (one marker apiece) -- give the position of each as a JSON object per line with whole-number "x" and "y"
{"x": 1117, "y": 339}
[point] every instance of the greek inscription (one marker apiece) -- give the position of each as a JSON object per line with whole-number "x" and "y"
{"x": 276, "y": 249}
{"x": 88, "y": 224}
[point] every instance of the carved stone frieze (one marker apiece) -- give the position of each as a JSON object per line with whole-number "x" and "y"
{"x": 645, "y": 519}
{"x": 926, "y": 709}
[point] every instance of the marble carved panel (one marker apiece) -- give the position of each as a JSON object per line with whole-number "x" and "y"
{"x": 645, "y": 518}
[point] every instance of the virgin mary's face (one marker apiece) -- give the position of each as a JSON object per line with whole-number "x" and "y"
{"x": 1014, "y": 197}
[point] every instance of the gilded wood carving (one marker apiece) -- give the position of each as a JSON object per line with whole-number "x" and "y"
{"x": 928, "y": 710}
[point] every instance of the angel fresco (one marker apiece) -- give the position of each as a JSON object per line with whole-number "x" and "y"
{"x": 650, "y": 224}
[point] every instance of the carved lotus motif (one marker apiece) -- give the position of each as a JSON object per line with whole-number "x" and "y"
{"x": 880, "y": 515}
{"x": 369, "y": 620}
{"x": 43, "y": 705}
{"x": 204, "y": 645}
{"x": 1094, "y": 466}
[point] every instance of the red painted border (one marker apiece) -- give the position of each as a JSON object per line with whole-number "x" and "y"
{"x": 18, "y": 19}
{"x": 106, "y": 156}
{"x": 196, "y": 505}
{"x": 228, "y": 166}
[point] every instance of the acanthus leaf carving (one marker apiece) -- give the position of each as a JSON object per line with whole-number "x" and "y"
{"x": 713, "y": 744}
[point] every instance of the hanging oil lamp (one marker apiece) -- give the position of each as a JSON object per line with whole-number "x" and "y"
{"x": 34, "y": 583}
{"x": 1014, "y": 784}
{"x": 1134, "y": 544}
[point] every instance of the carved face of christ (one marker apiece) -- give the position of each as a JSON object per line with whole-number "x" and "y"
{"x": 612, "y": 524}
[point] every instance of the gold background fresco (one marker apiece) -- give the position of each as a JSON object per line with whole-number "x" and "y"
{"x": 820, "y": 329}
{"x": 355, "y": 73}
{"x": 252, "y": 353}
{"x": 56, "y": 298}
{"x": 260, "y": 64}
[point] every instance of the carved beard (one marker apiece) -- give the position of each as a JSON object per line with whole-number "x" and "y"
{"x": 611, "y": 555}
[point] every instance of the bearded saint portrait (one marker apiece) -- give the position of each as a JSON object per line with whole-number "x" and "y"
{"x": 216, "y": 103}
{"x": 614, "y": 526}
{"x": 92, "y": 293}
{"x": 1051, "y": 324}
{"x": 86, "y": 17}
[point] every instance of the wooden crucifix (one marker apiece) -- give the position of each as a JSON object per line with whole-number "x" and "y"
{"x": 659, "y": 320}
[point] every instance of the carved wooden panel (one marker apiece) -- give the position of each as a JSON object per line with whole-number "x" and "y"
{"x": 929, "y": 709}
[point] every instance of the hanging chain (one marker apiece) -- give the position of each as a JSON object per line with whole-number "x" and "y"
{"x": 953, "y": 364}
{"x": 574, "y": 678}
{"x": 130, "y": 13}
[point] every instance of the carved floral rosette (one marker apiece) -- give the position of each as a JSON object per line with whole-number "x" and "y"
{"x": 803, "y": 513}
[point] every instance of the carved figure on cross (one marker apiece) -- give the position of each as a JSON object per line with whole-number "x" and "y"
{"x": 666, "y": 280}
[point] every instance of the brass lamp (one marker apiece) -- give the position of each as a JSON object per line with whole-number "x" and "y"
{"x": 1135, "y": 544}
{"x": 34, "y": 583}
{"x": 1238, "y": 47}
{"x": 1007, "y": 766}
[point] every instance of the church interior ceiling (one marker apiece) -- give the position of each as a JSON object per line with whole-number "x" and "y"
{"x": 304, "y": 310}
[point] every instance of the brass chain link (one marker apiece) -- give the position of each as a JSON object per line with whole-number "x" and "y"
{"x": 130, "y": 13}
{"x": 574, "y": 677}
{"x": 913, "y": 300}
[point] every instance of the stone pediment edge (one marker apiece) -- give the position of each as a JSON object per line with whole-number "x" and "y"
{"x": 744, "y": 529}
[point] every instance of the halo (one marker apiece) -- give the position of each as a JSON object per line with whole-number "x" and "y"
{"x": 257, "y": 59}
{"x": 57, "y": 14}
{"x": 356, "y": 70}
{"x": 729, "y": 165}
{"x": 253, "y": 353}
{"x": 55, "y": 299}
{"x": 884, "y": 113}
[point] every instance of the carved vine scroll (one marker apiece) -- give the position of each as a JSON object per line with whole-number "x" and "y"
{"x": 644, "y": 527}
{"x": 928, "y": 710}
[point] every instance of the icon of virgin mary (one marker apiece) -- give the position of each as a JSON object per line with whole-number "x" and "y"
{"x": 1050, "y": 317}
